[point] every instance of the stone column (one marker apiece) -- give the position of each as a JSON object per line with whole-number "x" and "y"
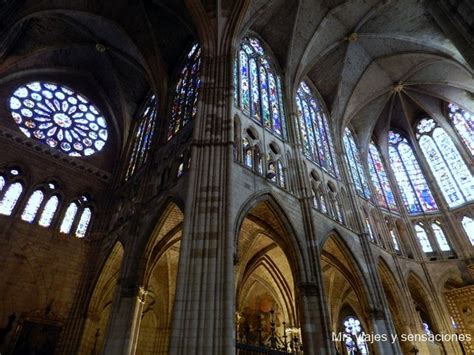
{"x": 204, "y": 305}
{"x": 314, "y": 329}
{"x": 124, "y": 322}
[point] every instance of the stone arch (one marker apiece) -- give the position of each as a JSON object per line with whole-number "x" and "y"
{"x": 427, "y": 313}
{"x": 267, "y": 269}
{"x": 343, "y": 281}
{"x": 100, "y": 303}
{"x": 158, "y": 274}
{"x": 396, "y": 304}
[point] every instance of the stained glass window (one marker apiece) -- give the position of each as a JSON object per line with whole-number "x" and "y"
{"x": 2, "y": 183}
{"x": 423, "y": 239}
{"x": 448, "y": 167}
{"x": 463, "y": 121}
{"x": 468, "y": 225}
{"x": 394, "y": 240}
{"x": 322, "y": 203}
{"x": 355, "y": 164}
{"x": 184, "y": 105}
{"x": 34, "y": 202}
{"x": 68, "y": 218}
{"x": 60, "y": 117}
{"x": 369, "y": 228}
{"x": 83, "y": 222}
{"x": 440, "y": 237}
{"x": 248, "y": 153}
{"x": 143, "y": 136}
{"x": 10, "y": 198}
{"x": 48, "y": 212}
{"x": 354, "y": 336}
{"x": 259, "y": 88}
{"x": 383, "y": 189}
{"x": 416, "y": 194}
{"x": 317, "y": 141}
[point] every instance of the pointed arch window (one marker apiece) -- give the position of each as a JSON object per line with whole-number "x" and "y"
{"x": 416, "y": 194}
{"x": 68, "y": 218}
{"x": 32, "y": 206}
{"x": 184, "y": 105}
{"x": 355, "y": 164}
{"x": 383, "y": 189}
{"x": 445, "y": 161}
{"x": 143, "y": 136}
{"x": 78, "y": 215}
{"x": 10, "y": 198}
{"x": 49, "y": 211}
{"x": 423, "y": 239}
{"x": 259, "y": 87}
{"x": 468, "y": 226}
{"x": 354, "y": 336}
{"x": 396, "y": 246}
{"x": 317, "y": 140}
{"x": 440, "y": 237}
{"x": 463, "y": 122}
{"x": 83, "y": 223}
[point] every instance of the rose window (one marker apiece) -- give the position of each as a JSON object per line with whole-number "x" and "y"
{"x": 59, "y": 117}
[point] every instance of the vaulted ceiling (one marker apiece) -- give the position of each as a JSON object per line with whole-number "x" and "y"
{"x": 375, "y": 63}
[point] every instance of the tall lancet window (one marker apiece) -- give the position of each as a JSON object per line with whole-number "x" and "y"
{"x": 380, "y": 180}
{"x": 463, "y": 121}
{"x": 468, "y": 226}
{"x": 314, "y": 128}
{"x": 416, "y": 194}
{"x": 143, "y": 136}
{"x": 259, "y": 87}
{"x": 448, "y": 167}
{"x": 184, "y": 105}
{"x": 355, "y": 164}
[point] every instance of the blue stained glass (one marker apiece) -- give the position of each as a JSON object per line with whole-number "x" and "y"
{"x": 244, "y": 82}
{"x": 264, "y": 93}
{"x": 275, "y": 105}
{"x": 380, "y": 180}
{"x": 317, "y": 141}
{"x": 416, "y": 176}
{"x": 184, "y": 106}
{"x": 255, "y": 109}
{"x": 143, "y": 137}
{"x": 236, "y": 82}
{"x": 463, "y": 121}
{"x": 59, "y": 117}
{"x": 406, "y": 189}
{"x": 312, "y": 138}
{"x": 260, "y": 92}
{"x": 416, "y": 194}
{"x": 303, "y": 128}
{"x": 356, "y": 168}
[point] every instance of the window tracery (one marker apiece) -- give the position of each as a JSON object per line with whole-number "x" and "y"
{"x": 415, "y": 193}
{"x": 313, "y": 124}
{"x": 78, "y": 214}
{"x": 184, "y": 106}
{"x": 354, "y": 336}
{"x": 59, "y": 117}
{"x": 440, "y": 237}
{"x": 463, "y": 122}
{"x": 383, "y": 189}
{"x": 142, "y": 139}
{"x": 259, "y": 87}
{"x": 449, "y": 169}
{"x": 32, "y": 206}
{"x": 355, "y": 164}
